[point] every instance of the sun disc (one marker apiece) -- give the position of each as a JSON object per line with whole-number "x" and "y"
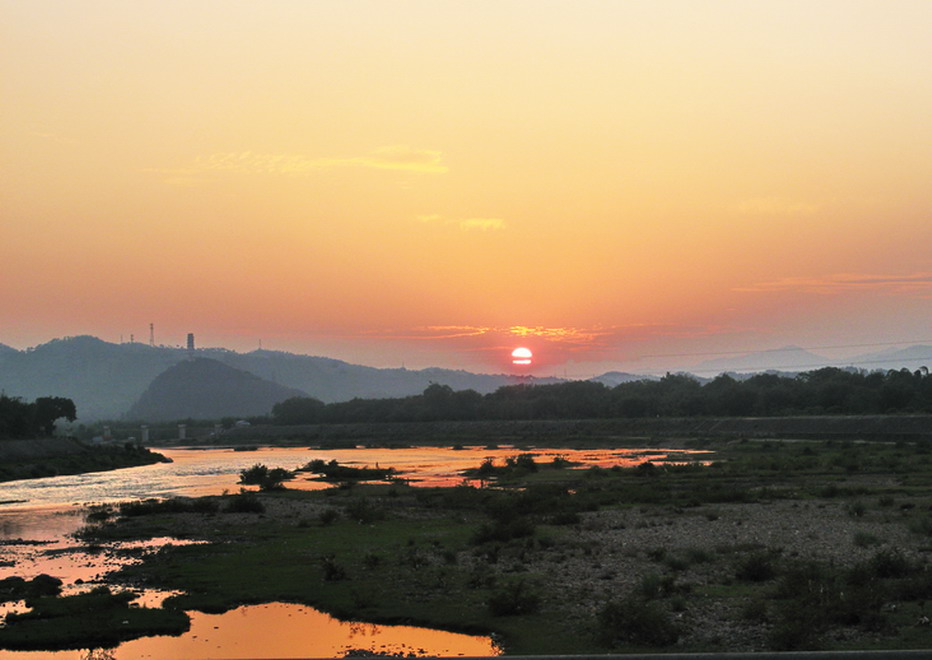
{"x": 521, "y": 355}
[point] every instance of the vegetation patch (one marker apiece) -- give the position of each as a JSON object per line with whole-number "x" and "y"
{"x": 729, "y": 556}
{"x": 333, "y": 471}
{"x": 97, "y": 618}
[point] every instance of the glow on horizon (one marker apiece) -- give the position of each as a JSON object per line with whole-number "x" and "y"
{"x": 442, "y": 180}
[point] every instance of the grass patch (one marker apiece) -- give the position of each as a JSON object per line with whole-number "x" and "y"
{"x": 98, "y": 618}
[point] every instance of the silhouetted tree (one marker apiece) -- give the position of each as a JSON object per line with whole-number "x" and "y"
{"x": 52, "y": 408}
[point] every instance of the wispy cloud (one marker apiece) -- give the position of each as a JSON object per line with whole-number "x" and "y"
{"x": 916, "y": 283}
{"x": 568, "y": 339}
{"x": 394, "y": 157}
{"x": 466, "y": 224}
{"x": 775, "y": 206}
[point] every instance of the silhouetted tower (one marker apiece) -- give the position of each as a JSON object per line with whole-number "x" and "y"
{"x": 152, "y": 334}
{"x": 190, "y": 345}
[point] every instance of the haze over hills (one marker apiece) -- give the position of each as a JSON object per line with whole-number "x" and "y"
{"x": 788, "y": 358}
{"x": 913, "y": 357}
{"x": 105, "y": 379}
{"x": 201, "y": 388}
{"x": 613, "y": 378}
{"x": 795, "y": 359}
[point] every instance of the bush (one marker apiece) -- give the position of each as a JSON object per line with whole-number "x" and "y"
{"x": 16, "y": 588}
{"x": 565, "y": 518}
{"x": 172, "y": 505}
{"x": 513, "y": 598}
{"x": 363, "y": 511}
{"x": 889, "y": 564}
{"x": 502, "y": 531}
{"x": 632, "y": 621}
{"x": 266, "y": 479}
{"x": 655, "y": 585}
{"x": 866, "y": 539}
{"x": 333, "y": 572}
{"x": 244, "y": 503}
{"x": 757, "y": 567}
{"x": 329, "y": 516}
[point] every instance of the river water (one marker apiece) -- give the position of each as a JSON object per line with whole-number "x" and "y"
{"x": 37, "y": 517}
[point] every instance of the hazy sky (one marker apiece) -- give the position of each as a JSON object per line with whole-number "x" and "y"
{"x": 435, "y": 183}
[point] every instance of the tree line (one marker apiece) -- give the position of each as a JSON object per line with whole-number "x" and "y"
{"x": 827, "y": 391}
{"x": 19, "y": 419}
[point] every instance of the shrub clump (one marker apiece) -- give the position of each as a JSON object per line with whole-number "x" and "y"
{"x": 634, "y": 621}
{"x": 153, "y": 506}
{"x": 513, "y": 598}
{"x": 16, "y": 588}
{"x": 244, "y": 503}
{"x": 265, "y": 478}
{"x": 757, "y": 567}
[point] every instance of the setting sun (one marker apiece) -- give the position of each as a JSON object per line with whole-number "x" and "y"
{"x": 521, "y": 356}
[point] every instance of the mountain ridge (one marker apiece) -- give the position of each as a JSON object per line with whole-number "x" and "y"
{"x": 105, "y": 379}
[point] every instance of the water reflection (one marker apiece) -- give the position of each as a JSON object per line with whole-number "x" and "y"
{"x": 281, "y": 630}
{"x": 197, "y": 472}
{"x": 38, "y": 515}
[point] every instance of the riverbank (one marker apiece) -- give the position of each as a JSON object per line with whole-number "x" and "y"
{"x": 620, "y": 432}
{"x": 775, "y": 546}
{"x": 49, "y": 457}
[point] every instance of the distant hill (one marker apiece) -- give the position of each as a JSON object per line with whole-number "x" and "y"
{"x": 614, "y": 378}
{"x": 201, "y": 388}
{"x": 788, "y": 358}
{"x": 895, "y": 358}
{"x": 105, "y": 379}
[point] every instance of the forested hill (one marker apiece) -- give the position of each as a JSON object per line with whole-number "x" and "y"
{"x": 207, "y": 389}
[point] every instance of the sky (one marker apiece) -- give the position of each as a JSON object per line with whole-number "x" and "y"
{"x": 436, "y": 183}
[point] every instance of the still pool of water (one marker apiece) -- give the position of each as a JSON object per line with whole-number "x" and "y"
{"x": 37, "y": 517}
{"x": 287, "y": 631}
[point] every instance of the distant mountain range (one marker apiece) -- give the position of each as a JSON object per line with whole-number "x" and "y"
{"x": 796, "y": 359}
{"x": 107, "y": 381}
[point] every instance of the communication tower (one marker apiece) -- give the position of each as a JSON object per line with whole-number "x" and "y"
{"x": 152, "y": 334}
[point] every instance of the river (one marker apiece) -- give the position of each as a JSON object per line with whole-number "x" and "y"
{"x": 37, "y": 517}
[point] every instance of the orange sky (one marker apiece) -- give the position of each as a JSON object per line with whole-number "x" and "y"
{"x": 437, "y": 182}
